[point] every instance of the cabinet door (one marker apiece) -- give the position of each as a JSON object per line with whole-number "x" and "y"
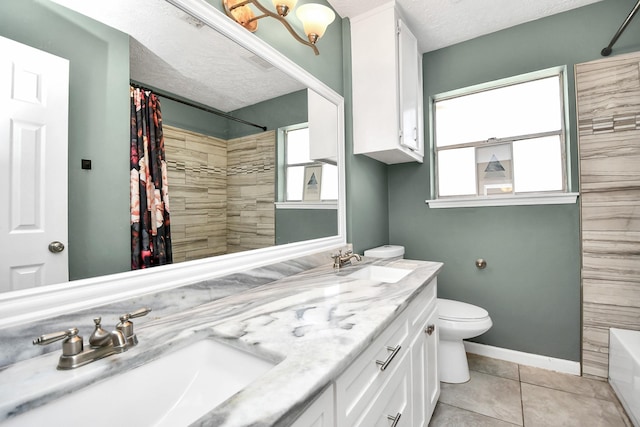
{"x": 431, "y": 363}
{"x": 424, "y": 364}
{"x": 321, "y": 412}
{"x": 410, "y": 88}
{"x": 323, "y": 128}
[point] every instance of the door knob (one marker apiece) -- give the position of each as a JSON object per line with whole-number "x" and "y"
{"x": 56, "y": 247}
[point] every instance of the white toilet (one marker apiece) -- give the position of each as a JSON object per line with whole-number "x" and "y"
{"x": 456, "y": 321}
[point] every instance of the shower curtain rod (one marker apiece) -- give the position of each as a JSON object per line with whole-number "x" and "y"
{"x": 607, "y": 50}
{"x": 208, "y": 110}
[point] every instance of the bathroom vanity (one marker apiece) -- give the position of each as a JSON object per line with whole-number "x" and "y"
{"x": 340, "y": 350}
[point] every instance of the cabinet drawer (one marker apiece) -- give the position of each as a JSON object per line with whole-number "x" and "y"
{"x": 393, "y": 403}
{"x": 361, "y": 382}
{"x": 423, "y": 305}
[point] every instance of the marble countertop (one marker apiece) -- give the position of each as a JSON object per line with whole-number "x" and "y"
{"x": 312, "y": 324}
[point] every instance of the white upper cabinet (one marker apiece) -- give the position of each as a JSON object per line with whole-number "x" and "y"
{"x": 323, "y": 128}
{"x": 387, "y": 87}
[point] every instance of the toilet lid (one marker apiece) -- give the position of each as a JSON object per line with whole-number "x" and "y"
{"x": 461, "y": 311}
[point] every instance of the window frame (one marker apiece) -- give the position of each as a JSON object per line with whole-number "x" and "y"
{"x": 528, "y": 198}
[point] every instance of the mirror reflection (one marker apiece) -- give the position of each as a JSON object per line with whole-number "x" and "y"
{"x": 225, "y": 176}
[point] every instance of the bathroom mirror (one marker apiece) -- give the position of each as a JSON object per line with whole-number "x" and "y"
{"x": 35, "y": 303}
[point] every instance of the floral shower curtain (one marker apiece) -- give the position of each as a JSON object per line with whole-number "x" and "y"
{"x": 150, "y": 223}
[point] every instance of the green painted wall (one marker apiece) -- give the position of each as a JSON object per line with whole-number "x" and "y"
{"x": 275, "y": 113}
{"x": 531, "y": 286}
{"x": 98, "y": 116}
{"x": 193, "y": 119}
{"x": 295, "y": 225}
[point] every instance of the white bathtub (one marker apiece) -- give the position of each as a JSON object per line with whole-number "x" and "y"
{"x": 624, "y": 370}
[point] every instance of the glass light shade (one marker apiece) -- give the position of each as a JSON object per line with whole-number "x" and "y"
{"x": 290, "y": 4}
{"x": 315, "y": 18}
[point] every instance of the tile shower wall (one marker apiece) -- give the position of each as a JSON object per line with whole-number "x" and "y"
{"x": 251, "y": 182}
{"x": 221, "y": 192}
{"x": 197, "y": 168}
{"x": 608, "y": 95}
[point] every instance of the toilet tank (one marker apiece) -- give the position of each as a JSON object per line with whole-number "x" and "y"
{"x": 386, "y": 251}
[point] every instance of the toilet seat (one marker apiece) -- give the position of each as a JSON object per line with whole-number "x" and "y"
{"x": 460, "y": 311}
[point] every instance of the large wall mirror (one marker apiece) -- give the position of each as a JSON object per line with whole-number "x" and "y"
{"x": 199, "y": 62}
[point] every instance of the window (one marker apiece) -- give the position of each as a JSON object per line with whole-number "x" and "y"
{"x": 504, "y": 140}
{"x": 296, "y": 160}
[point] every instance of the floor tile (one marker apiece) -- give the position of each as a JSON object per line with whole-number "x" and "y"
{"x": 545, "y": 407}
{"x": 565, "y": 382}
{"x": 487, "y": 395}
{"x": 448, "y": 416}
{"x": 487, "y": 365}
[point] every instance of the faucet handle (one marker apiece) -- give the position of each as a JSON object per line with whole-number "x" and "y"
{"x": 126, "y": 327}
{"x": 55, "y": 336}
{"x": 71, "y": 345}
{"x": 138, "y": 313}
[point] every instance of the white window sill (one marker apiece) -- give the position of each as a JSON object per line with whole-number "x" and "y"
{"x": 307, "y": 205}
{"x": 518, "y": 200}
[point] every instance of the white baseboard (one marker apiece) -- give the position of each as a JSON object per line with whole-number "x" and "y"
{"x": 529, "y": 359}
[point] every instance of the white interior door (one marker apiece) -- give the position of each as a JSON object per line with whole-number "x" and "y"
{"x": 34, "y": 104}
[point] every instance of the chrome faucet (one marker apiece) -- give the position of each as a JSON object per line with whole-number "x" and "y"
{"x": 340, "y": 260}
{"x": 101, "y": 342}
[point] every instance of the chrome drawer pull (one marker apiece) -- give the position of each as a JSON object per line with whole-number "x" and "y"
{"x": 394, "y": 419}
{"x": 384, "y": 365}
{"x": 430, "y": 329}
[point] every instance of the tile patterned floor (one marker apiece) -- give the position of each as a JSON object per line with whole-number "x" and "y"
{"x": 507, "y": 394}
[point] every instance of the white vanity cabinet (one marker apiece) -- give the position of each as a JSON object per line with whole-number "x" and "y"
{"x": 321, "y": 412}
{"x": 387, "y": 94}
{"x": 408, "y": 388}
{"x": 372, "y": 375}
{"x": 394, "y": 381}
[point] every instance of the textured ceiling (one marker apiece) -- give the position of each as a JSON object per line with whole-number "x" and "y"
{"x": 179, "y": 55}
{"x": 441, "y": 23}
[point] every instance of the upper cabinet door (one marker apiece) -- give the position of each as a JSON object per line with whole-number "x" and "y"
{"x": 323, "y": 128}
{"x": 410, "y": 87}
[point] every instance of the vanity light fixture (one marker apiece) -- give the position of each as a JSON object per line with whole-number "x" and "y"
{"x": 315, "y": 18}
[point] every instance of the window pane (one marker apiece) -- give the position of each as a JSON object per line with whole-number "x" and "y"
{"x": 538, "y": 164}
{"x": 329, "y": 189}
{"x": 456, "y": 172}
{"x": 295, "y": 178}
{"x": 298, "y": 146}
{"x": 519, "y": 109}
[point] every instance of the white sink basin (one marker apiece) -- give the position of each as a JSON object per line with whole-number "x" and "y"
{"x": 174, "y": 390}
{"x": 378, "y": 273}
